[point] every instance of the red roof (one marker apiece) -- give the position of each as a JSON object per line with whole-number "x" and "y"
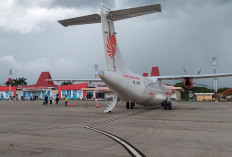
{"x": 7, "y": 88}
{"x": 42, "y": 83}
{"x": 42, "y": 80}
{"x": 73, "y": 86}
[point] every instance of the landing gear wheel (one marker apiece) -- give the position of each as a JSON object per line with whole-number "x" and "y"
{"x": 127, "y": 105}
{"x": 169, "y": 106}
{"x": 165, "y": 106}
{"x": 132, "y": 105}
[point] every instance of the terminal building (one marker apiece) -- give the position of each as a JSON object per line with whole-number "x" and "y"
{"x": 42, "y": 88}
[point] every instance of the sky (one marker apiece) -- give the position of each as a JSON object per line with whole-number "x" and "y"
{"x": 186, "y": 34}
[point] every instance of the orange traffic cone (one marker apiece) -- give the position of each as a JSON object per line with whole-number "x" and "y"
{"x": 85, "y": 104}
{"x": 69, "y": 104}
{"x": 74, "y": 105}
{"x": 97, "y": 106}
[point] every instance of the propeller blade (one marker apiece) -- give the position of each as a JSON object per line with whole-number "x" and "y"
{"x": 185, "y": 71}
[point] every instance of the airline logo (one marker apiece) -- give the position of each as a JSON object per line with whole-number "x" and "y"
{"x": 111, "y": 49}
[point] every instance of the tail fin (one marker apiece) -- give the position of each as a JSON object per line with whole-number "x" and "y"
{"x": 114, "y": 60}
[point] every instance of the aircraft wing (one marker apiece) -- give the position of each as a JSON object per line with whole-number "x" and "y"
{"x": 203, "y": 76}
{"x": 76, "y": 80}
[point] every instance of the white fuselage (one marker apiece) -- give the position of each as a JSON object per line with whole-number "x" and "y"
{"x": 136, "y": 88}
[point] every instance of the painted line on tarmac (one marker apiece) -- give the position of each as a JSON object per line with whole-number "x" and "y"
{"x": 134, "y": 152}
{"x": 117, "y": 118}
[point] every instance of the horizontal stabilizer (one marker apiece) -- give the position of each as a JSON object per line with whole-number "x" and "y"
{"x": 133, "y": 12}
{"x": 112, "y": 15}
{"x": 94, "y": 18}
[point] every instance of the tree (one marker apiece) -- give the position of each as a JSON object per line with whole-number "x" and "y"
{"x": 7, "y": 83}
{"x": 180, "y": 84}
{"x": 66, "y": 83}
{"x": 220, "y": 90}
{"x": 17, "y": 82}
{"x": 22, "y": 81}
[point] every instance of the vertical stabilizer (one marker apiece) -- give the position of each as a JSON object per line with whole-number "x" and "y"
{"x": 114, "y": 60}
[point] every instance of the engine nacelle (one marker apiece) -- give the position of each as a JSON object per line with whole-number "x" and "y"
{"x": 188, "y": 82}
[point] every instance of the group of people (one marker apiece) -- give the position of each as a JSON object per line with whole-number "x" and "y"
{"x": 55, "y": 100}
{"x": 51, "y": 100}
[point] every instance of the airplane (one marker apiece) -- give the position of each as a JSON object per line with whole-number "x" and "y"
{"x": 128, "y": 86}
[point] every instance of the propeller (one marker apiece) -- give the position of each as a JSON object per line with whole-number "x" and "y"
{"x": 194, "y": 79}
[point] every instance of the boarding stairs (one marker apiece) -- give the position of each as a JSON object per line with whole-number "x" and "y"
{"x": 111, "y": 105}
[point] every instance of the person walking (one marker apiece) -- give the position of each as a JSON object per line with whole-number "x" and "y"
{"x": 46, "y": 100}
{"x": 57, "y": 99}
{"x": 66, "y": 100}
{"x": 51, "y": 99}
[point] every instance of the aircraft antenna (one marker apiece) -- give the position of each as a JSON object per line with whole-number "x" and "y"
{"x": 214, "y": 65}
{"x": 10, "y": 73}
{"x": 96, "y": 68}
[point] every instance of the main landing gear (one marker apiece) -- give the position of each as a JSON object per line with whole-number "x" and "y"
{"x": 167, "y": 105}
{"x": 128, "y": 104}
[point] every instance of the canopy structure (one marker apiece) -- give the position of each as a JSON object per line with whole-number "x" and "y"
{"x": 227, "y": 92}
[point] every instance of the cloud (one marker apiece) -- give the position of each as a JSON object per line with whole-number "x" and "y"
{"x": 82, "y": 3}
{"x": 30, "y": 16}
{"x": 10, "y": 60}
{"x": 41, "y": 64}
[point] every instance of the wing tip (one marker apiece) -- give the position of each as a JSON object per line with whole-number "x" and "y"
{"x": 61, "y": 22}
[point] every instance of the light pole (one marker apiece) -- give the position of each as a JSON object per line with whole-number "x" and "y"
{"x": 10, "y": 81}
{"x": 214, "y": 64}
{"x": 96, "y": 68}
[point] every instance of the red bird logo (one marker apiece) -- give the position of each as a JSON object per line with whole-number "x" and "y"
{"x": 111, "y": 49}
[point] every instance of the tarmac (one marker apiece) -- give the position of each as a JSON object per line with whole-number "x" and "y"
{"x": 191, "y": 129}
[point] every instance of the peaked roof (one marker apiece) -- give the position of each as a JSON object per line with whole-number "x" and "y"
{"x": 42, "y": 80}
{"x": 42, "y": 83}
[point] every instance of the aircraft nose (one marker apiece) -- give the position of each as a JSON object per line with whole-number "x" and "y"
{"x": 101, "y": 73}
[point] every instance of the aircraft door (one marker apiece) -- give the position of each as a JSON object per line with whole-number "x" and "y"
{"x": 146, "y": 88}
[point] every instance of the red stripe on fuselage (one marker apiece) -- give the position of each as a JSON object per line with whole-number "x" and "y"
{"x": 151, "y": 93}
{"x": 132, "y": 77}
{"x": 168, "y": 93}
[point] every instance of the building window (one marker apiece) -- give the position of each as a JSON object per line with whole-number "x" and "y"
{"x": 100, "y": 95}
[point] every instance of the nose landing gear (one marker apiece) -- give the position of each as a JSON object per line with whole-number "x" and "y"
{"x": 128, "y": 104}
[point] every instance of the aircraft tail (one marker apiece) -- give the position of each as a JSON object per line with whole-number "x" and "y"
{"x": 114, "y": 60}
